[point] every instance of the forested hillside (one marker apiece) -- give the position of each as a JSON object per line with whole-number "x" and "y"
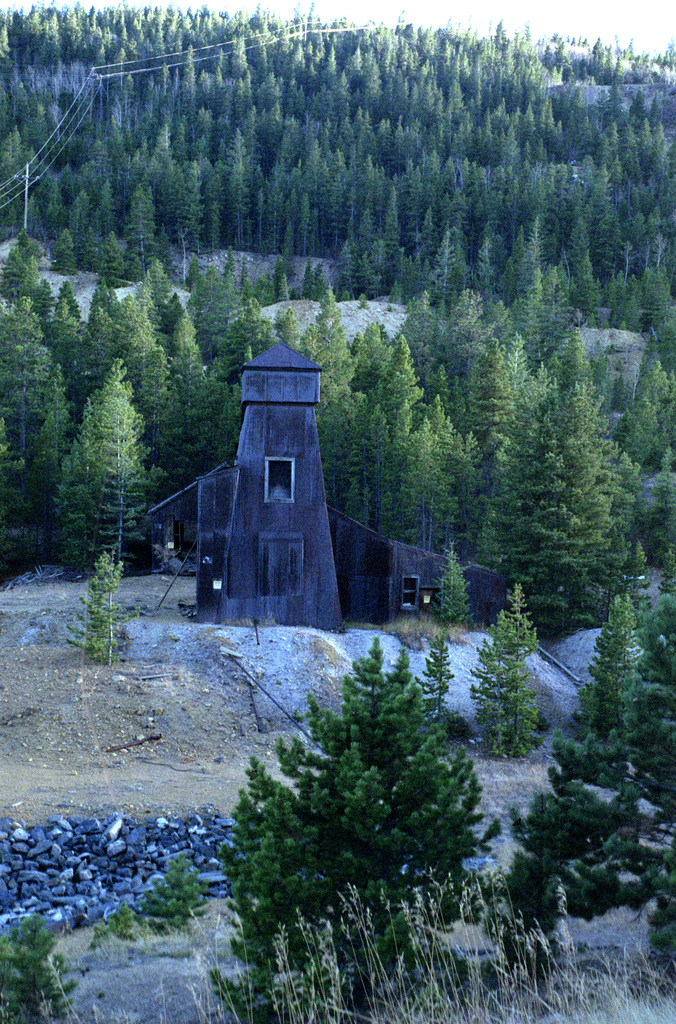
{"x": 508, "y": 191}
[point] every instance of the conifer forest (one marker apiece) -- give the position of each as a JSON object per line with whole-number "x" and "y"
{"x": 507, "y": 191}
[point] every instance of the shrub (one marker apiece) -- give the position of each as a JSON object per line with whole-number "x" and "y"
{"x": 31, "y": 974}
{"x": 456, "y": 726}
{"x": 123, "y": 924}
{"x": 175, "y": 898}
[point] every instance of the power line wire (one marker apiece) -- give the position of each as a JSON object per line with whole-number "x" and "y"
{"x": 38, "y": 167}
{"x": 176, "y": 53}
{"x": 21, "y": 184}
{"x": 12, "y": 187}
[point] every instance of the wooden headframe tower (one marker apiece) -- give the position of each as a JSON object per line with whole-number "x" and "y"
{"x": 264, "y": 549}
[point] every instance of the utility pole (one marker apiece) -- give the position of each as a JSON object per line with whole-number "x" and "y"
{"x": 25, "y": 202}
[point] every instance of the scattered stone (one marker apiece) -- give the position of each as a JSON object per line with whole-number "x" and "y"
{"x": 96, "y": 866}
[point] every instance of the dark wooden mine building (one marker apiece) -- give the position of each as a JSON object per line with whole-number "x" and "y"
{"x": 268, "y": 547}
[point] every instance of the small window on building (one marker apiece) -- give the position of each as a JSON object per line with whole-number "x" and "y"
{"x": 279, "y": 479}
{"x": 409, "y": 591}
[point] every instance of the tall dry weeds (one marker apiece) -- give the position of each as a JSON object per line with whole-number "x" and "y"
{"x": 454, "y": 974}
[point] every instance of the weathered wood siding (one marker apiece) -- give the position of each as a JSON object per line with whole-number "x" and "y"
{"x": 371, "y": 570}
{"x": 217, "y": 500}
{"x": 280, "y": 560}
{"x": 268, "y": 546}
{"x": 363, "y": 569}
{"x": 408, "y": 561}
{"x": 289, "y": 388}
{"x": 486, "y": 594}
{"x": 173, "y": 526}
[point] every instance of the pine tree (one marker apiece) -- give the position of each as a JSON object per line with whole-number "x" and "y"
{"x": 505, "y": 703}
{"x": 111, "y": 262}
{"x": 175, "y": 898}
{"x": 49, "y": 452}
{"x": 635, "y": 577}
{"x": 140, "y": 229}
{"x": 32, "y": 985}
{"x": 663, "y": 917}
{"x": 102, "y": 617}
{"x": 376, "y": 806}
{"x": 611, "y": 670}
{"x": 6, "y": 465}
{"x": 453, "y": 609}
{"x": 650, "y": 716}
{"x": 668, "y": 577}
{"x": 64, "y": 253}
{"x": 25, "y": 366}
{"x": 437, "y": 677}
{"x": 662, "y": 516}
{"x": 551, "y": 518}
{"x": 608, "y": 850}
{"x": 326, "y": 344}
{"x": 104, "y": 482}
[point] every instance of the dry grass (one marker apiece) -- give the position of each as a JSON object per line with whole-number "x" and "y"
{"x": 509, "y": 783}
{"x": 461, "y": 977}
{"x": 322, "y": 648}
{"x": 415, "y": 632}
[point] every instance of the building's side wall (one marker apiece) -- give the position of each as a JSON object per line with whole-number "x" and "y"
{"x": 486, "y": 594}
{"x": 216, "y": 504}
{"x": 182, "y": 509}
{"x": 408, "y": 561}
{"x": 280, "y": 386}
{"x": 363, "y": 570}
{"x": 371, "y": 571}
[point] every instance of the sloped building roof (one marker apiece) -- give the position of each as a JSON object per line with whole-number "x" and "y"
{"x": 281, "y": 357}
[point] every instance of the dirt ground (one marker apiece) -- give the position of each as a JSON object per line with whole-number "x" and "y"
{"x": 60, "y": 717}
{"x": 211, "y": 696}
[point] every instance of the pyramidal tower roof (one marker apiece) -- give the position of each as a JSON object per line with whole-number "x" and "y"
{"x": 281, "y": 357}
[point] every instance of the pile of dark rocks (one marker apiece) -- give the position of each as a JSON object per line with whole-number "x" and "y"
{"x": 73, "y": 871}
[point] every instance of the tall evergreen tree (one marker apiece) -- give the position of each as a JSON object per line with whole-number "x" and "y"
{"x": 505, "y": 702}
{"x": 610, "y": 850}
{"x": 64, "y": 253}
{"x": 668, "y": 577}
{"x": 50, "y": 451}
{"x": 376, "y": 806}
{"x": 662, "y": 515}
{"x": 104, "y": 486}
{"x": 141, "y": 227}
{"x": 453, "y": 608}
{"x": 551, "y": 519}
{"x": 25, "y": 366}
{"x": 611, "y": 670}
{"x": 437, "y": 677}
{"x": 325, "y": 343}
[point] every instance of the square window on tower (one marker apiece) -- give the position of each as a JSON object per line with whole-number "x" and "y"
{"x": 280, "y": 479}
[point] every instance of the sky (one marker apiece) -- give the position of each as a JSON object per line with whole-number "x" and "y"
{"x": 651, "y": 24}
